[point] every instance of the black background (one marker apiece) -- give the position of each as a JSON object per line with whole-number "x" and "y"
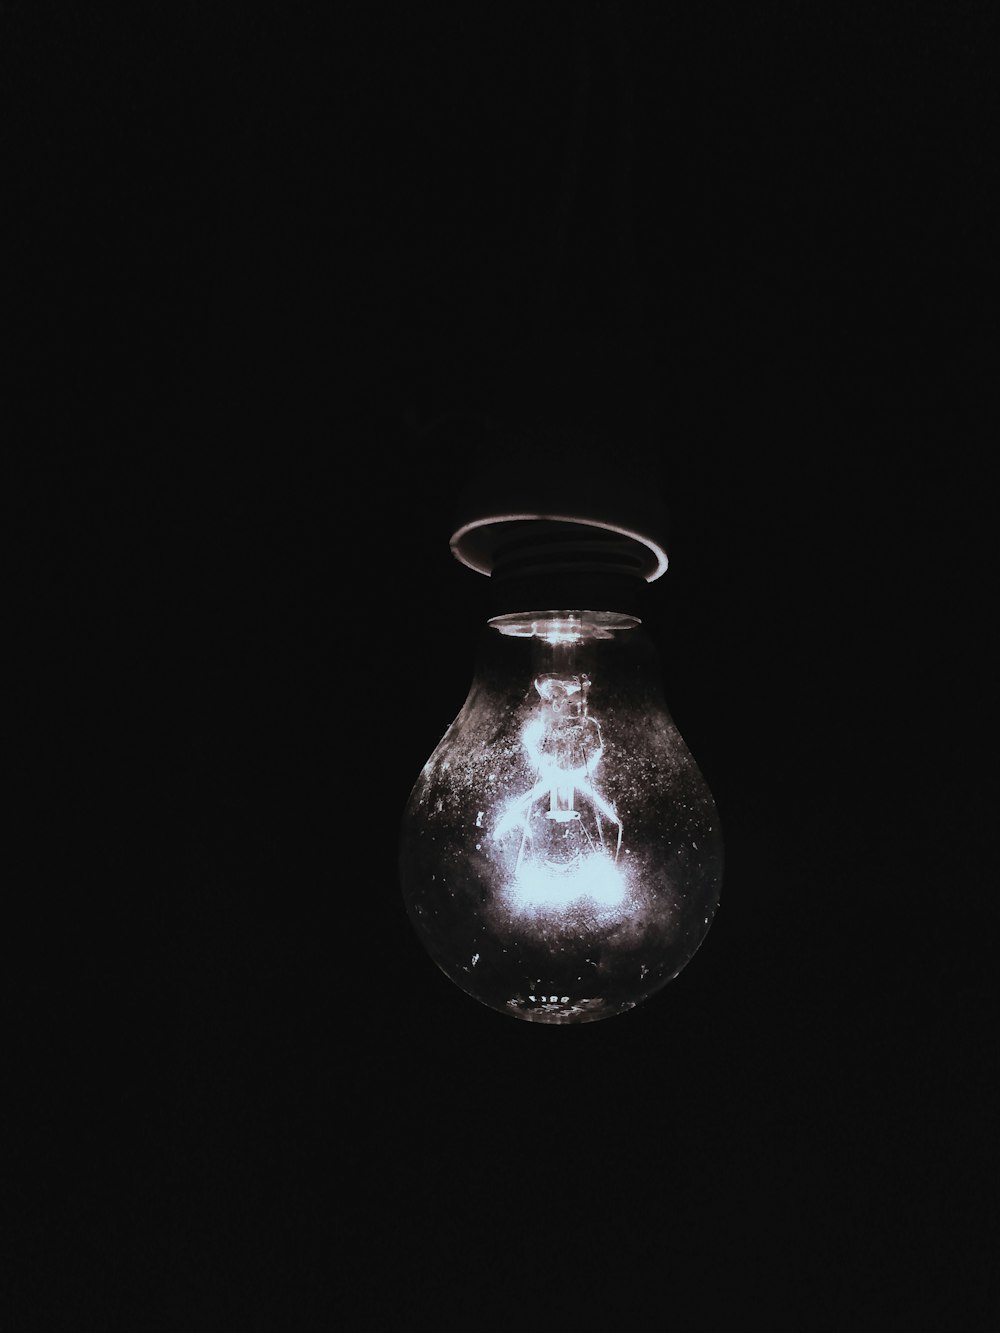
{"x": 268, "y": 271}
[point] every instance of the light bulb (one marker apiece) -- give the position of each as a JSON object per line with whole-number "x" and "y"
{"x": 561, "y": 856}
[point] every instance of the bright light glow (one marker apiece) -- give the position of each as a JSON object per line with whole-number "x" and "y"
{"x": 595, "y": 883}
{"x": 570, "y": 834}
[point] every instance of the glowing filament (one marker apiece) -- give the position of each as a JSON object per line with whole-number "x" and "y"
{"x": 569, "y": 833}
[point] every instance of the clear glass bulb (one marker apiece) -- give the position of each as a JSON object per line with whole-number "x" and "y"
{"x": 561, "y": 857}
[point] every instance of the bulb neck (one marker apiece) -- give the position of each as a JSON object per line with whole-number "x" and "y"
{"x": 566, "y": 589}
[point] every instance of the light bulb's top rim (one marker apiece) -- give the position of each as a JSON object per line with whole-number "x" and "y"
{"x": 475, "y": 542}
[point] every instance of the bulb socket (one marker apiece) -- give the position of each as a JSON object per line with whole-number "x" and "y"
{"x": 560, "y": 520}
{"x": 566, "y": 590}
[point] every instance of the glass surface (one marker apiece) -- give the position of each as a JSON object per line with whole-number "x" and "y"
{"x": 561, "y": 857}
